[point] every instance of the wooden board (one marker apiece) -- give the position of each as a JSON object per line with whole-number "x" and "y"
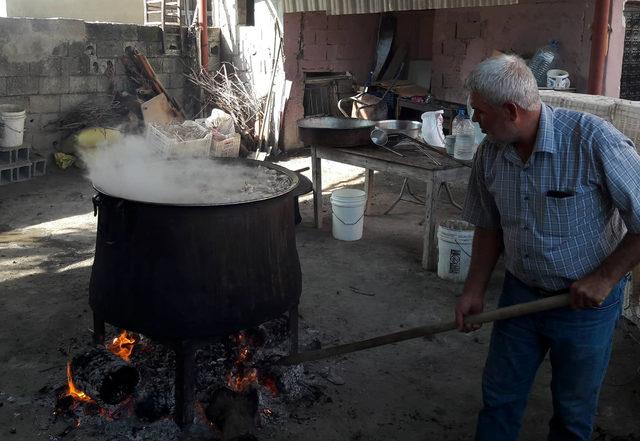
{"x": 158, "y": 110}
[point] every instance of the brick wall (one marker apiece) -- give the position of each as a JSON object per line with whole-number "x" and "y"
{"x": 49, "y": 66}
{"x": 316, "y": 42}
{"x": 465, "y": 36}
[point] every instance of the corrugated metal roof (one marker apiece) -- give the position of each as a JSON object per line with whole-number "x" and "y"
{"x": 338, "y": 7}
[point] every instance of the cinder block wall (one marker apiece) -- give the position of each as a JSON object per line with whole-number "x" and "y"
{"x": 49, "y": 66}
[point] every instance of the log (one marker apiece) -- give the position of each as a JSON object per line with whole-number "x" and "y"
{"x": 104, "y": 376}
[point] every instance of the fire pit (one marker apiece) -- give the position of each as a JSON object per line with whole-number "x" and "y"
{"x": 193, "y": 269}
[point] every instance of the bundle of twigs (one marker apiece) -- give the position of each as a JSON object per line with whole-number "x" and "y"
{"x": 226, "y": 91}
{"x": 93, "y": 113}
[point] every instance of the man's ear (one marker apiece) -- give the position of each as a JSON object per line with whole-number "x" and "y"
{"x": 511, "y": 111}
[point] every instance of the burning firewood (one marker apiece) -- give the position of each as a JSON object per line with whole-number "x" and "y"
{"x": 104, "y": 376}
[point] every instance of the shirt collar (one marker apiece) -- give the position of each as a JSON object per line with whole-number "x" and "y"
{"x": 545, "y": 140}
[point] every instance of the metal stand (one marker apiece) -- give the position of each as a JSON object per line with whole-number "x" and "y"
{"x": 406, "y": 188}
{"x": 185, "y": 391}
{"x": 98, "y": 330}
{"x": 293, "y": 329}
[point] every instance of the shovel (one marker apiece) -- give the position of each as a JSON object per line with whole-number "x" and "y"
{"x": 508, "y": 312}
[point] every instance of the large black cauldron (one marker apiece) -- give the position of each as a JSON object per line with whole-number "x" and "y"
{"x": 179, "y": 272}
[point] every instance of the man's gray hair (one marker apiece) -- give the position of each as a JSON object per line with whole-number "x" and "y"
{"x": 505, "y": 79}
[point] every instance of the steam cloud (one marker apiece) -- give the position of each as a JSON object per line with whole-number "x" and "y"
{"x": 135, "y": 169}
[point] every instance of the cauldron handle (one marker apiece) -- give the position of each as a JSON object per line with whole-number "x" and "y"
{"x": 304, "y": 186}
{"x": 96, "y": 199}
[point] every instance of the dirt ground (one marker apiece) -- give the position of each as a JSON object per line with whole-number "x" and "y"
{"x": 413, "y": 391}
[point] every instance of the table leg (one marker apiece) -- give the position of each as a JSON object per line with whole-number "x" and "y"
{"x": 368, "y": 188}
{"x": 316, "y": 176}
{"x": 429, "y": 258}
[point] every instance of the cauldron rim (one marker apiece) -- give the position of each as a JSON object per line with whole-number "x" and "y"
{"x": 295, "y": 182}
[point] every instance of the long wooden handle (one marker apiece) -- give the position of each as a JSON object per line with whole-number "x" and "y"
{"x": 424, "y": 331}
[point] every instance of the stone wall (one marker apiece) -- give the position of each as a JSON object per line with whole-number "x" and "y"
{"x": 49, "y": 66}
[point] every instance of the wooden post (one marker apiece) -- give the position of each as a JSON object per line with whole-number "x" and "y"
{"x": 316, "y": 174}
{"x": 368, "y": 188}
{"x": 429, "y": 259}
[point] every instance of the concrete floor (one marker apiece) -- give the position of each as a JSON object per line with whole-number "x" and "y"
{"x": 416, "y": 390}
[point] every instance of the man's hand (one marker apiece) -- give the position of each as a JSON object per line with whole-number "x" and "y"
{"x": 468, "y": 304}
{"x": 590, "y": 291}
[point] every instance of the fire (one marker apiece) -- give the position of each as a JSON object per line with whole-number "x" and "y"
{"x": 122, "y": 345}
{"x": 241, "y": 376}
{"x": 241, "y": 382}
{"x": 75, "y": 393}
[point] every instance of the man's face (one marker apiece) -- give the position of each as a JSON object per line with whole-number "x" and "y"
{"x": 495, "y": 121}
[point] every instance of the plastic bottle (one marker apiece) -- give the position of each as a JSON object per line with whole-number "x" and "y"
{"x": 479, "y": 136}
{"x": 543, "y": 60}
{"x": 462, "y": 128}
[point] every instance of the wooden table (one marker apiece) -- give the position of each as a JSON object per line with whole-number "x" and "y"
{"x": 415, "y": 165}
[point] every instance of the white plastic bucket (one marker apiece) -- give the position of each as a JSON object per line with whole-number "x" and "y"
{"x": 12, "y": 125}
{"x": 464, "y": 148}
{"x": 454, "y": 250}
{"x": 348, "y": 213}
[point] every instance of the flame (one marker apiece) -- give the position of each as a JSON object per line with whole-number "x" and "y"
{"x": 75, "y": 393}
{"x": 241, "y": 377}
{"x": 244, "y": 355}
{"x": 241, "y": 382}
{"x": 122, "y": 345}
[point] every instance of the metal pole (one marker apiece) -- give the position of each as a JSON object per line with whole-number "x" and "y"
{"x": 204, "y": 33}
{"x": 599, "y": 46}
{"x": 293, "y": 329}
{"x": 185, "y": 383}
{"x": 98, "y": 329}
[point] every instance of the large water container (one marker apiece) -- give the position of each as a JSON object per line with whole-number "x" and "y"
{"x": 543, "y": 60}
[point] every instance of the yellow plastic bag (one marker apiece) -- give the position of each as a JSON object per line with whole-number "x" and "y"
{"x": 63, "y": 160}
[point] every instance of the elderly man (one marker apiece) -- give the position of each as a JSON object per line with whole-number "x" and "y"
{"x": 558, "y": 192}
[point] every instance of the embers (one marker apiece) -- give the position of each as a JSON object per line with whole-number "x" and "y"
{"x": 237, "y": 390}
{"x": 244, "y": 371}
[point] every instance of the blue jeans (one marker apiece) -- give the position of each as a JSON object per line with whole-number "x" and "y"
{"x": 579, "y": 346}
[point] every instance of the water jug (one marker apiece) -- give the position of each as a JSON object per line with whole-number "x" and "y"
{"x": 543, "y": 60}
{"x": 432, "y": 132}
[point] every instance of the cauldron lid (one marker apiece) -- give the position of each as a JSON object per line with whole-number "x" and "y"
{"x": 238, "y": 181}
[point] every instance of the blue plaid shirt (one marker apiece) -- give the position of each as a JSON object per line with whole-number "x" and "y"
{"x": 568, "y": 207}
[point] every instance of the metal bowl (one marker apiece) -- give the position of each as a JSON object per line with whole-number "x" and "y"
{"x": 411, "y": 128}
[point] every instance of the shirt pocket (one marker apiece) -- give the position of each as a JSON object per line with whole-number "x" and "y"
{"x": 564, "y": 216}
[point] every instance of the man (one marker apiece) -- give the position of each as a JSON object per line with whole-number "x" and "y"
{"x": 558, "y": 192}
